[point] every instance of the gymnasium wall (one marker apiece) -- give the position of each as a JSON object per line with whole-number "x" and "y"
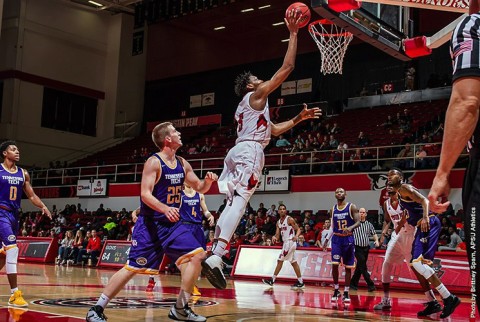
{"x": 56, "y": 44}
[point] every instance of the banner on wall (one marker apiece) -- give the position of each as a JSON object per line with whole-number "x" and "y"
{"x": 289, "y": 88}
{"x": 304, "y": 85}
{"x": 190, "y": 121}
{"x": 195, "y": 101}
{"x": 95, "y": 188}
{"x": 315, "y": 265}
{"x": 275, "y": 180}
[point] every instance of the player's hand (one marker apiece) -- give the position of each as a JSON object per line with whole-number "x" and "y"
{"x": 172, "y": 214}
{"x": 377, "y": 244}
{"x": 45, "y": 211}
{"x": 211, "y": 221}
{"x": 425, "y": 225}
{"x": 274, "y": 240}
{"x": 440, "y": 189}
{"x": 292, "y": 20}
{"x": 295, "y": 238}
{"x": 135, "y": 215}
{"x": 347, "y": 230}
{"x": 210, "y": 177}
{"x": 310, "y": 113}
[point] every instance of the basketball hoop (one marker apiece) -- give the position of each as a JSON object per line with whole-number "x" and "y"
{"x": 332, "y": 41}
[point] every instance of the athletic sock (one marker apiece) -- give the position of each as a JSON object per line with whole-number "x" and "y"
{"x": 444, "y": 293}
{"x": 219, "y": 249}
{"x": 273, "y": 278}
{"x": 182, "y": 299}
{"x": 300, "y": 280}
{"x": 103, "y": 301}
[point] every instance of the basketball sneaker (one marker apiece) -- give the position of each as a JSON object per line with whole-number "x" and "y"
{"x": 196, "y": 291}
{"x": 17, "y": 300}
{"x": 449, "y": 305}
{"x": 95, "y": 314}
{"x": 150, "y": 286}
{"x": 212, "y": 268}
{"x": 385, "y": 304}
{"x": 298, "y": 285}
{"x": 336, "y": 296}
{"x": 346, "y": 298}
{"x": 268, "y": 281}
{"x": 430, "y": 308}
{"x": 185, "y": 314}
{"x": 15, "y": 313}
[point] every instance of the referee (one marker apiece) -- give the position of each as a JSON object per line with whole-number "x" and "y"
{"x": 362, "y": 245}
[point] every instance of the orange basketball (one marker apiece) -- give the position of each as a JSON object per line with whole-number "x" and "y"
{"x": 303, "y": 10}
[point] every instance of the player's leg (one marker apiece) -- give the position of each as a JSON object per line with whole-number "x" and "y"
{"x": 471, "y": 202}
{"x": 8, "y": 233}
{"x": 271, "y": 281}
{"x": 291, "y": 246}
{"x": 296, "y": 268}
{"x": 358, "y": 270}
{"x": 336, "y": 257}
{"x": 349, "y": 262}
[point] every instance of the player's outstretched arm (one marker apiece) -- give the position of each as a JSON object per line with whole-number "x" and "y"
{"x": 408, "y": 191}
{"x": 206, "y": 212}
{"x": 34, "y": 199}
{"x": 305, "y": 114}
{"x": 201, "y": 186}
{"x": 259, "y": 97}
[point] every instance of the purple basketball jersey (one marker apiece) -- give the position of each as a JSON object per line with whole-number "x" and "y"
{"x": 11, "y": 188}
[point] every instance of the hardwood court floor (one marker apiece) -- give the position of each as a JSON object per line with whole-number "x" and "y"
{"x": 62, "y": 294}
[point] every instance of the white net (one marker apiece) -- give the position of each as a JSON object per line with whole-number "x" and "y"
{"x": 332, "y": 41}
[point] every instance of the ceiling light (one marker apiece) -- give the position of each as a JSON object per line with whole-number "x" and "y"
{"x": 247, "y": 10}
{"x": 264, "y": 7}
{"x": 278, "y": 23}
{"x": 219, "y": 28}
{"x": 286, "y": 40}
{"x": 95, "y": 3}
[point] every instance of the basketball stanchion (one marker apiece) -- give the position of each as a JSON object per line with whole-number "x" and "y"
{"x": 344, "y": 5}
{"x": 332, "y": 41}
{"x": 416, "y": 47}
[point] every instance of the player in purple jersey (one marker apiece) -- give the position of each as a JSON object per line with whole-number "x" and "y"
{"x": 13, "y": 181}
{"x": 345, "y": 219}
{"x": 424, "y": 245}
{"x": 156, "y": 231}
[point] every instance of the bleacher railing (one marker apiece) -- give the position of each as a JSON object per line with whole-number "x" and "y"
{"x": 312, "y": 162}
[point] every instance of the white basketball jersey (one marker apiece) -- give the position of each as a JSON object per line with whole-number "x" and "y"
{"x": 252, "y": 125}
{"x": 394, "y": 213}
{"x": 286, "y": 230}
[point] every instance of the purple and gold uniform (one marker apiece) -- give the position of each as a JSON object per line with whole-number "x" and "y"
{"x": 343, "y": 245}
{"x": 11, "y": 190}
{"x": 425, "y": 243}
{"x": 154, "y": 235}
{"x": 191, "y": 216}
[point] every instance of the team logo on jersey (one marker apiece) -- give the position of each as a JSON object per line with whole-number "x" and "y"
{"x": 379, "y": 181}
{"x": 118, "y": 302}
{"x": 337, "y": 257}
{"x": 12, "y": 238}
{"x": 141, "y": 261}
{"x": 262, "y": 121}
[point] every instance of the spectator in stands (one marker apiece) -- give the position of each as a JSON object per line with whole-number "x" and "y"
{"x": 388, "y": 122}
{"x": 249, "y": 209}
{"x": 207, "y": 147}
{"x": 366, "y": 165}
{"x": 214, "y": 143}
{"x": 316, "y": 143}
{"x": 260, "y": 220}
{"x": 299, "y": 165}
{"x": 455, "y": 240}
{"x": 445, "y": 230}
{"x": 307, "y": 214}
{"x": 269, "y": 226}
{"x": 79, "y": 209}
{"x": 308, "y": 147}
{"x": 310, "y": 138}
{"x": 439, "y": 130}
{"x": 282, "y": 142}
{"x": 80, "y": 241}
{"x": 405, "y": 158}
{"x": 335, "y": 129}
{"x": 462, "y": 247}
{"x": 386, "y": 238}
{"x": 65, "y": 248}
{"x": 421, "y": 158}
{"x": 272, "y": 211}
{"x": 134, "y": 157}
{"x": 324, "y": 235}
{"x": 110, "y": 228}
{"x": 355, "y": 158}
{"x": 410, "y": 79}
{"x": 256, "y": 237}
{"x": 333, "y": 143}
{"x": 211, "y": 240}
{"x": 100, "y": 211}
{"x": 57, "y": 229}
{"x": 261, "y": 207}
{"x": 263, "y": 240}
{"x": 301, "y": 242}
{"x": 299, "y": 139}
{"x": 93, "y": 249}
{"x": 362, "y": 139}
{"x": 235, "y": 245}
{"x": 297, "y": 147}
{"x": 143, "y": 154}
{"x": 250, "y": 228}
{"x": 325, "y": 145}
{"x": 406, "y": 117}
{"x": 309, "y": 235}
{"x": 66, "y": 210}
{"x": 342, "y": 146}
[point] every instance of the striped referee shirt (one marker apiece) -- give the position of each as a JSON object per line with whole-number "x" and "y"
{"x": 363, "y": 232}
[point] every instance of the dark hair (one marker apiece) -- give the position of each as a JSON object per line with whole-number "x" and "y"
{"x": 241, "y": 83}
{"x": 5, "y": 144}
{"x": 398, "y": 171}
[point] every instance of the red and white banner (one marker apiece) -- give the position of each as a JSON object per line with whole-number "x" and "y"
{"x": 190, "y": 121}
{"x": 460, "y": 6}
{"x": 258, "y": 262}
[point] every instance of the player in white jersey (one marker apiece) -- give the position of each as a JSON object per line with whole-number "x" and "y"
{"x": 399, "y": 248}
{"x": 244, "y": 162}
{"x": 288, "y": 228}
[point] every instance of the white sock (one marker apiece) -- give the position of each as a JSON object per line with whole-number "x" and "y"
{"x": 274, "y": 277}
{"x": 336, "y": 286}
{"x": 182, "y": 299}
{"x": 300, "y": 280}
{"x": 103, "y": 300}
{"x": 444, "y": 293}
{"x": 430, "y": 296}
{"x": 13, "y": 290}
{"x": 219, "y": 249}
{"x": 346, "y": 289}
